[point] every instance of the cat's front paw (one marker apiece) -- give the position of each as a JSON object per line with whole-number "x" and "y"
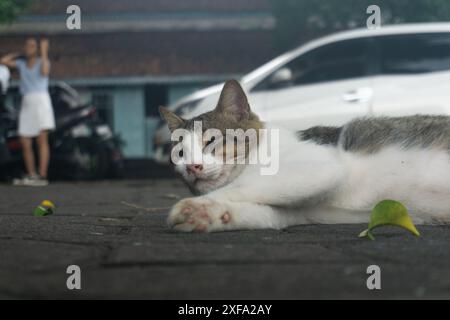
{"x": 199, "y": 215}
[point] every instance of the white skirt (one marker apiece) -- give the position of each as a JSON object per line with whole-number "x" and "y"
{"x": 36, "y": 114}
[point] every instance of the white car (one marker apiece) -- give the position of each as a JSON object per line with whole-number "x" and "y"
{"x": 393, "y": 71}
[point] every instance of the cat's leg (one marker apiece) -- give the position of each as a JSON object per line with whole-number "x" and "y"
{"x": 311, "y": 185}
{"x": 206, "y": 214}
{"x": 261, "y": 204}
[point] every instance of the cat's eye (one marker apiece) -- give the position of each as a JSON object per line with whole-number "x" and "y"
{"x": 208, "y": 143}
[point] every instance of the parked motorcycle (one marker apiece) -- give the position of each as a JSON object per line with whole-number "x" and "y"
{"x": 82, "y": 147}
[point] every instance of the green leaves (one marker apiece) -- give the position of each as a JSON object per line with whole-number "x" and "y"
{"x": 301, "y": 20}
{"x": 10, "y": 9}
{"x": 392, "y": 213}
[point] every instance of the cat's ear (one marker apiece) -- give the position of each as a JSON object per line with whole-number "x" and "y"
{"x": 233, "y": 102}
{"x": 173, "y": 121}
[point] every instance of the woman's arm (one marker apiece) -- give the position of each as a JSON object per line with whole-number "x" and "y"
{"x": 45, "y": 67}
{"x": 10, "y": 60}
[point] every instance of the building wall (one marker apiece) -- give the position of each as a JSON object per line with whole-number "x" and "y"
{"x": 123, "y": 107}
{"x": 177, "y": 92}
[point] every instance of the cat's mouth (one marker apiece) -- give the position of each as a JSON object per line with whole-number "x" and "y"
{"x": 200, "y": 179}
{"x": 209, "y": 180}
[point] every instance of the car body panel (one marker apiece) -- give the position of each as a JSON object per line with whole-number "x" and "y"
{"x": 333, "y": 102}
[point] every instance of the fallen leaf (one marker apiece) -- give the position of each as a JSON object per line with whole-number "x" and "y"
{"x": 389, "y": 213}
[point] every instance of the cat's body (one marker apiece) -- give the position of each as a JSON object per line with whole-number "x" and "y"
{"x": 326, "y": 175}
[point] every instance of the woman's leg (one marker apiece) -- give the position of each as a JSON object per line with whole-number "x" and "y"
{"x": 28, "y": 156}
{"x": 44, "y": 153}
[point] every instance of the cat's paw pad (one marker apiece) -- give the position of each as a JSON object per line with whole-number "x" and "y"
{"x": 199, "y": 215}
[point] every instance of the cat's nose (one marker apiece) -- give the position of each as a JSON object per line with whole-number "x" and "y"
{"x": 194, "y": 168}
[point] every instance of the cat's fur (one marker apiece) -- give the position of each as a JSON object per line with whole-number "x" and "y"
{"x": 326, "y": 174}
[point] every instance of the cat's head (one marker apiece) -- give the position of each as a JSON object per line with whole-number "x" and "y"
{"x": 202, "y": 158}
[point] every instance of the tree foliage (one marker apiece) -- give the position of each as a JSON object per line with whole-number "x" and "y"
{"x": 9, "y": 9}
{"x": 300, "y": 20}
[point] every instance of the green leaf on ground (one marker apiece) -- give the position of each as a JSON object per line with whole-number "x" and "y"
{"x": 389, "y": 213}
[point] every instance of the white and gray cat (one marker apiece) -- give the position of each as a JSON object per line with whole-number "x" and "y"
{"x": 326, "y": 174}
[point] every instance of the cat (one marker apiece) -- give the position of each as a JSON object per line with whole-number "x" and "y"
{"x": 327, "y": 175}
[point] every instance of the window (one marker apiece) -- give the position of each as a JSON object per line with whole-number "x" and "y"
{"x": 155, "y": 96}
{"x": 103, "y": 101}
{"x": 336, "y": 61}
{"x": 418, "y": 53}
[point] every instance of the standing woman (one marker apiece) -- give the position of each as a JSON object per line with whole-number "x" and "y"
{"x": 36, "y": 117}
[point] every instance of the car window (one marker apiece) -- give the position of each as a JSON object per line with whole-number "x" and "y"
{"x": 336, "y": 61}
{"x": 418, "y": 53}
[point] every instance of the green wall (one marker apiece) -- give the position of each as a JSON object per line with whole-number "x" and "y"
{"x": 129, "y": 120}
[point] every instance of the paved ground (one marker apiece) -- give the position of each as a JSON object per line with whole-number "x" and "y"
{"x": 129, "y": 253}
